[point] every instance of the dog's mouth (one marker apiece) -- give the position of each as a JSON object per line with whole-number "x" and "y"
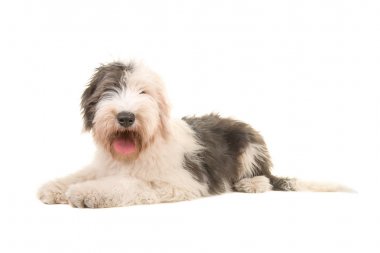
{"x": 125, "y": 144}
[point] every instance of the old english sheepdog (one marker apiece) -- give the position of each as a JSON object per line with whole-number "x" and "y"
{"x": 144, "y": 156}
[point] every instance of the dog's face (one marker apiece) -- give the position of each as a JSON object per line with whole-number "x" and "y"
{"x": 125, "y": 107}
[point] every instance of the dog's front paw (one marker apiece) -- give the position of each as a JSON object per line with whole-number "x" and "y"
{"x": 82, "y": 196}
{"x": 53, "y": 193}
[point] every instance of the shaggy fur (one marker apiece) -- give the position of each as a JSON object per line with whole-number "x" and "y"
{"x": 153, "y": 158}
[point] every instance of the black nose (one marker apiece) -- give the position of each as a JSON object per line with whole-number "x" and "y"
{"x": 125, "y": 119}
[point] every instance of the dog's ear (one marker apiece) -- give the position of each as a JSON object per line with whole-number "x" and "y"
{"x": 90, "y": 97}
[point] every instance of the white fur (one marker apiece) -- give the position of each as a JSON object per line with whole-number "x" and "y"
{"x": 301, "y": 185}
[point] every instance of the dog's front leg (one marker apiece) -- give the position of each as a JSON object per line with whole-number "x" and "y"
{"x": 53, "y": 192}
{"x": 116, "y": 191}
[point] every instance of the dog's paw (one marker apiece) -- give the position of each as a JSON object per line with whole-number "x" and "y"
{"x": 82, "y": 196}
{"x": 52, "y": 193}
{"x": 256, "y": 184}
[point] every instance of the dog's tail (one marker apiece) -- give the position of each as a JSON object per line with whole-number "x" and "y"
{"x": 293, "y": 184}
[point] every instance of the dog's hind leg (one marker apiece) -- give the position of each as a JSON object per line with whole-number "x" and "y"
{"x": 256, "y": 184}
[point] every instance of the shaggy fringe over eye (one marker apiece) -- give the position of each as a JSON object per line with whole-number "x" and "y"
{"x": 106, "y": 78}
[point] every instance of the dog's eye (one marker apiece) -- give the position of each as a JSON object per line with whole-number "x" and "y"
{"x": 142, "y": 92}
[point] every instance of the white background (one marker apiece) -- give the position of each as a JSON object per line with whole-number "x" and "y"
{"x": 304, "y": 73}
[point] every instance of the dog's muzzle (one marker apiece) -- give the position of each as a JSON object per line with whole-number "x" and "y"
{"x": 125, "y": 119}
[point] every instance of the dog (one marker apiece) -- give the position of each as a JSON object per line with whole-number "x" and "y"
{"x": 144, "y": 156}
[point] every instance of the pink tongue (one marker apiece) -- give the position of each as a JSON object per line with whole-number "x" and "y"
{"x": 123, "y": 146}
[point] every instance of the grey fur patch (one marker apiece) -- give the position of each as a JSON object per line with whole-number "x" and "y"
{"x": 224, "y": 140}
{"x": 106, "y": 79}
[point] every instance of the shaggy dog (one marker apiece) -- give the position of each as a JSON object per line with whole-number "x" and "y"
{"x": 144, "y": 156}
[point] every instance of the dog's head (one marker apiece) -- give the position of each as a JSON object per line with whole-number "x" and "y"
{"x": 125, "y": 106}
